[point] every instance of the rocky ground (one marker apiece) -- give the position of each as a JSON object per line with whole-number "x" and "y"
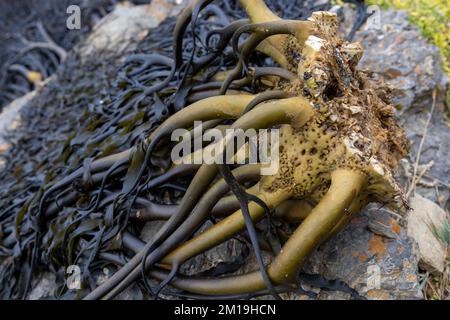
{"x": 380, "y": 254}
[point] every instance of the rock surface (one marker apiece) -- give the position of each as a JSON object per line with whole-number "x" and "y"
{"x": 379, "y": 263}
{"x": 126, "y": 25}
{"x": 422, "y": 219}
{"x": 45, "y": 288}
{"x": 10, "y": 117}
{"x": 397, "y": 53}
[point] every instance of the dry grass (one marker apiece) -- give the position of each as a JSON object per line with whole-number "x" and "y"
{"x": 438, "y": 287}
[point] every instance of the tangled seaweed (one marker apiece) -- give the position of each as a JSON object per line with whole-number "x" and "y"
{"x": 35, "y": 39}
{"x": 112, "y": 174}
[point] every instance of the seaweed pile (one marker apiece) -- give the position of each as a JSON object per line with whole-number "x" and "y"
{"x": 35, "y": 40}
{"x": 60, "y": 206}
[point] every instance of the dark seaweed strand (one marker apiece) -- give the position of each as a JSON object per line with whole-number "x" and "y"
{"x": 145, "y": 161}
{"x": 261, "y": 98}
{"x": 193, "y": 19}
{"x": 140, "y": 174}
{"x": 150, "y": 249}
{"x": 243, "y": 198}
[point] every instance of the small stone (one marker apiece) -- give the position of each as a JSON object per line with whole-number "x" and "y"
{"x": 229, "y": 253}
{"x": 422, "y": 219}
{"x": 45, "y": 287}
{"x": 382, "y": 229}
{"x": 124, "y": 26}
{"x": 131, "y": 293}
{"x": 10, "y": 116}
{"x": 150, "y": 229}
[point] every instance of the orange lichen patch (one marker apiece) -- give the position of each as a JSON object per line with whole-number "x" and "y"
{"x": 377, "y": 245}
{"x": 361, "y": 256}
{"x": 5, "y": 146}
{"x": 412, "y": 278}
{"x": 160, "y": 14}
{"x": 378, "y": 294}
{"x": 395, "y": 227}
{"x": 406, "y": 264}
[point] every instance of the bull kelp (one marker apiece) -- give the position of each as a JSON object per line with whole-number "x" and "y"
{"x": 87, "y": 194}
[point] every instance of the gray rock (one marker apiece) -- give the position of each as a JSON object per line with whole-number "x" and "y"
{"x": 150, "y": 229}
{"x": 225, "y": 252}
{"x": 46, "y": 287}
{"x": 228, "y": 252}
{"x": 397, "y": 53}
{"x": 125, "y": 26}
{"x": 132, "y": 293}
{"x": 10, "y": 118}
{"x": 435, "y": 151}
{"x": 422, "y": 219}
{"x": 375, "y": 265}
{"x": 374, "y": 254}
